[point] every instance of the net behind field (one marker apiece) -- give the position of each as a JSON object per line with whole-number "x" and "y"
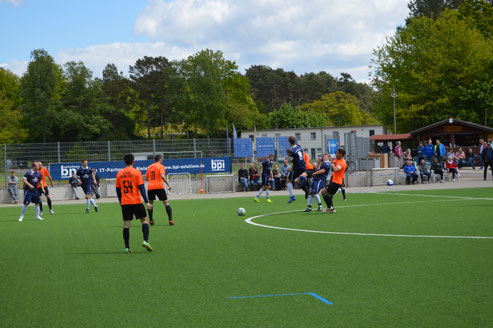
{"x": 180, "y": 184}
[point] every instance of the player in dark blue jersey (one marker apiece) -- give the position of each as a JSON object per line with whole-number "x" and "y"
{"x": 267, "y": 177}
{"x": 319, "y": 180}
{"x": 86, "y": 178}
{"x": 296, "y": 152}
{"x": 31, "y": 179}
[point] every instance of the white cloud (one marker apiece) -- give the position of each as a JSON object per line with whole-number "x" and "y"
{"x": 296, "y": 35}
{"x": 17, "y": 67}
{"x": 15, "y": 3}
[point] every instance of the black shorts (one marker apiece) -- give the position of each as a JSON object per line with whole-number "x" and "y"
{"x": 294, "y": 174}
{"x": 332, "y": 188}
{"x": 309, "y": 173}
{"x": 160, "y": 193}
{"x": 129, "y": 211}
{"x": 265, "y": 180}
{"x": 46, "y": 193}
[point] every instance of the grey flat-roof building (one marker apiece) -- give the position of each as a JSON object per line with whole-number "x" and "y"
{"x": 314, "y": 140}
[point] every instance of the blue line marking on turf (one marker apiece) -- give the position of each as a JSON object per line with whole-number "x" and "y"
{"x": 312, "y": 294}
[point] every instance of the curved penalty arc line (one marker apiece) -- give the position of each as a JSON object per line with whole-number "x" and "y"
{"x": 250, "y": 221}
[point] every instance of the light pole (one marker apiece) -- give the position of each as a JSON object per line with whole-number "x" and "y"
{"x": 394, "y": 95}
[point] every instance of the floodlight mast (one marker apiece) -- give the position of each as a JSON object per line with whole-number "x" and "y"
{"x": 394, "y": 95}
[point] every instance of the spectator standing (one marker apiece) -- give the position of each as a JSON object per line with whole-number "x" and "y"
{"x": 429, "y": 151}
{"x": 398, "y": 154}
{"x": 440, "y": 151}
{"x": 451, "y": 167}
{"x": 74, "y": 184}
{"x": 275, "y": 176}
{"x": 14, "y": 192}
{"x": 481, "y": 147}
{"x": 254, "y": 177}
{"x": 410, "y": 171}
{"x": 421, "y": 151}
{"x": 385, "y": 149}
{"x": 423, "y": 171}
{"x": 437, "y": 168}
{"x": 284, "y": 174}
{"x": 95, "y": 184}
{"x": 470, "y": 157}
{"x": 407, "y": 155}
{"x": 243, "y": 177}
{"x": 487, "y": 157}
{"x": 460, "y": 158}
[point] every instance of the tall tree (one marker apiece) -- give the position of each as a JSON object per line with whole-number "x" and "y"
{"x": 434, "y": 66}
{"x": 40, "y": 90}
{"x": 11, "y": 129}
{"x": 147, "y": 75}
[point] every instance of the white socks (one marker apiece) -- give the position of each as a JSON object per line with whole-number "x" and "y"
{"x": 88, "y": 202}
{"x": 267, "y": 193}
{"x": 317, "y": 198}
{"x": 259, "y": 193}
{"x": 24, "y": 208}
{"x": 92, "y": 202}
{"x": 310, "y": 200}
{"x": 290, "y": 188}
{"x": 36, "y": 209}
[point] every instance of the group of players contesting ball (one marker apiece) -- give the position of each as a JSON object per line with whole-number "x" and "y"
{"x": 311, "y": 177}
{"x": 130, "y": 186}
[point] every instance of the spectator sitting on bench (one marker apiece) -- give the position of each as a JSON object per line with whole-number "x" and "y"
{"x": 436, "y": 167}
{"x": 284, "y": 175}
{"x": 460, "y": 158}
{"x": 423, "y": 171}
{"x": 451, "y": 167}
{"x": 243, "y": 177}
{"x": 275, "y": 176}
{"x": 471, "y": 156}
{"x": 254, "y": 177}
{"x": 410, "y": 171}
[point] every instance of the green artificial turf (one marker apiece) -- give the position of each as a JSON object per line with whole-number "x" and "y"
{"x": 70, "y": 270}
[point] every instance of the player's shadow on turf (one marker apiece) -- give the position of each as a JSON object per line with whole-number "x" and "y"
{"x": 7, "y": 221}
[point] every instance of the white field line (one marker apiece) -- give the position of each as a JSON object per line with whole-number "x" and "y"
{"x": 250, "y": 221}
{"x": 433, "y": 196}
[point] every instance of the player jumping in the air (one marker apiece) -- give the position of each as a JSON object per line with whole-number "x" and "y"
{"x": 298, "y": 168}
{"x": 305, "y": 182}
{"x": 129, "y": 187}
{"x": 31, "y": 179}
{"x": 338, "y": 168}
{"x": 267, "y": 177}
{"x": 85, "y": 177}
{"x": 318, "y": 183}
{"x": 156, "y": 174}
{"x": 44, "y": 173}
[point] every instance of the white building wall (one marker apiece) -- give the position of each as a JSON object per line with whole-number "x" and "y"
{"x": 313, "y": 139}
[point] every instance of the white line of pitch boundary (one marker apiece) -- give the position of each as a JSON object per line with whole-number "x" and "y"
{"x": 433, "y": 196}
{"x": 250, "y": 221}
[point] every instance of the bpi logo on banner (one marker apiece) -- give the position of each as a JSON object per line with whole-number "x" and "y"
{"x": 218, "y": 164}
{"x": 67, "y": 170}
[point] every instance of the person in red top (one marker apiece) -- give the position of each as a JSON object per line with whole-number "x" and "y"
{"x": 129, "y": 187}
{"x": 451, "y": 167}
{"x": 45, "y": 173}
{"x": 338, "y": 168}
{"x": 156, "y": 174}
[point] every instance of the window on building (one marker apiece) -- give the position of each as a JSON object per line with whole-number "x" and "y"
{"x": 314, "y": 154}
{"x": 264, "y": 135}
{"x": 298, "y": 137}
{"x": 313, "y": 135}
{"x": 372, "y": 133}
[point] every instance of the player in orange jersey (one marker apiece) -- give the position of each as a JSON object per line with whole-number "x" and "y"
{"x": 156, "y": 174}
{"x": 305, "y": 177}
{"x": 338, "y": 168}
{"x": 44, "y": 173}
{"x": 129, "y": 188}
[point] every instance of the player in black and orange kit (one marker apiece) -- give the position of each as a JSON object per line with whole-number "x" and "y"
{"x": 156, "y": 174}
{"x": 129, "y": 188}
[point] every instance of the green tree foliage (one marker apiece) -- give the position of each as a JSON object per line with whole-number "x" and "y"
{"x": 430, "y": 8}
{"x": 11, "y": 129}
{"x": 438, "y": 68}
{"x": 147, "y": 75}
{"x": 288, "y": 116}
{"x": 339, "y": 109}
{"x": 40, "y": 90}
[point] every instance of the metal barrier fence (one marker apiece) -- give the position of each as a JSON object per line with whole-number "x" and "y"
{"x": 19, "y": 157}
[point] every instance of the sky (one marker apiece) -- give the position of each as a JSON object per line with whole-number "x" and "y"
{"x": 302, "y": 36}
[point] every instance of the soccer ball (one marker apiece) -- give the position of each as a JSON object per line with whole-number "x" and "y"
{"x": 390, "y": 182}
{"x": 241, "y": 211}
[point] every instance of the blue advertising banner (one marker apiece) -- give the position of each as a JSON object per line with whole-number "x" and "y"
{"x": 108, "y": 170}
{"x": 266, "y": 146}
{"x": 332, "y": 146}
{"x": 283, "y": 145}
{"x": 243, "y": 147}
